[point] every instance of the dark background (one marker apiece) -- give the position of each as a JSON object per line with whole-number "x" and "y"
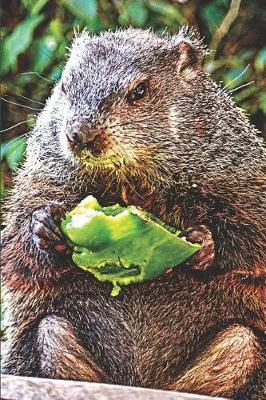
{"x": 35, "y": 34}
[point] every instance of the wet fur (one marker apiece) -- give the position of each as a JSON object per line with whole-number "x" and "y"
{"x": 190, "y": 157}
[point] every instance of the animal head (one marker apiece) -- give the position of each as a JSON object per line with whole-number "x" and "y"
{"x": 125, "y": 99}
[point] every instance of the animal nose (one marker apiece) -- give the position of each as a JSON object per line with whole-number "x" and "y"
{"x": 80, "y": 137}
{"x": 73, "y": 137}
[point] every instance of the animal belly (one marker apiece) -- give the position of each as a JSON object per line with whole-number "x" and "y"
{"x": 159, "y": 334}
{"x": 148, "y": 334}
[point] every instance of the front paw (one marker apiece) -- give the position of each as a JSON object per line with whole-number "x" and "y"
{"x": 204, "y": 258}
{"x": 45, "y": 229}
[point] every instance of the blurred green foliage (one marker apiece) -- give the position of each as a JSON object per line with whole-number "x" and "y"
{"x": 35, "y": 34}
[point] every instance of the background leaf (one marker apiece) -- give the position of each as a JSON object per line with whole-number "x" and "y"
{"x": 19, "y": 40}
{"x": 13, "y": 152}
{"x": 34, "y": 6}
{"x": 43, "y": 52}
{"x": 135, "y": 13}
{"x": 82, "y": 8}
{"x": 260, "y": 61}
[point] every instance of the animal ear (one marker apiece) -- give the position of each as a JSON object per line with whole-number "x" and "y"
{"x": 187, "y": 55}
{"x": 189, "y": 48}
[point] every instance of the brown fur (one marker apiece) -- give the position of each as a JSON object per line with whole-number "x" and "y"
{"x": 214, "y": 371}
{"x": 186, "y": 154}
{"x": 61, "y": 354}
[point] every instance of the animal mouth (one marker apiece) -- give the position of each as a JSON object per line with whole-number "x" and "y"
{"x": 95, "y": 156}
{"x": 108, "y": 161}
{"x": 96, "y": 147}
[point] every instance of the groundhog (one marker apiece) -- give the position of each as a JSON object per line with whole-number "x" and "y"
{"x": 135, "y": 119}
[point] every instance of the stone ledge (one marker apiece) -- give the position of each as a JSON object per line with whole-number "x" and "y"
{"x": 27, "y": 388}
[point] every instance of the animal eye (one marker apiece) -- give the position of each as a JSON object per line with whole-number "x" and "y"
{"x": 138, "y": 92}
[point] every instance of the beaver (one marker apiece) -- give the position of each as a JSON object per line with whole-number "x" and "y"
{"x": 135, "y": 119}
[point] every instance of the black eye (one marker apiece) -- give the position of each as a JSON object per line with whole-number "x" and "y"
{"x": 138, "y": 92}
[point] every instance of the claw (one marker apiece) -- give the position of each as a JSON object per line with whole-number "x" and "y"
{"x": 46, "y": 233}
{"x": 204, "y": 258}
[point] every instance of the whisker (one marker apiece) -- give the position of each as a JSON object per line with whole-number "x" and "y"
{"x": 238, "y": 76}
{"x": 131, "y": 187}
{"x": 14, "y": 126}
{"x": 27, "y": 98}
{"x": 241, "y": 87}
{"x": 20, "y": 105}
{"x": 39, "y": 76}
{"x": 110, "y": 185}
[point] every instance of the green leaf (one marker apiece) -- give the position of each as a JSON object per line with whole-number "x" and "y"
{"x": 84, "y": 9}
{"x": 33, "y": 6}
{"x": 260, "y": 61}
{"x": 56, "y": 29}
{"x": 169, "y": 11}
{"x": 56, "y": 73}
{"x": 213, "y": 14}
{"x": 262, "y": 102}
{"x": 19, "y": 40}
{"x": 43, "y": 52}
{"x": 13, "y": 151}
{"x": 122, "y": 245}
{"x": 136, "y": 13}
{"x": 2, "y": 183}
